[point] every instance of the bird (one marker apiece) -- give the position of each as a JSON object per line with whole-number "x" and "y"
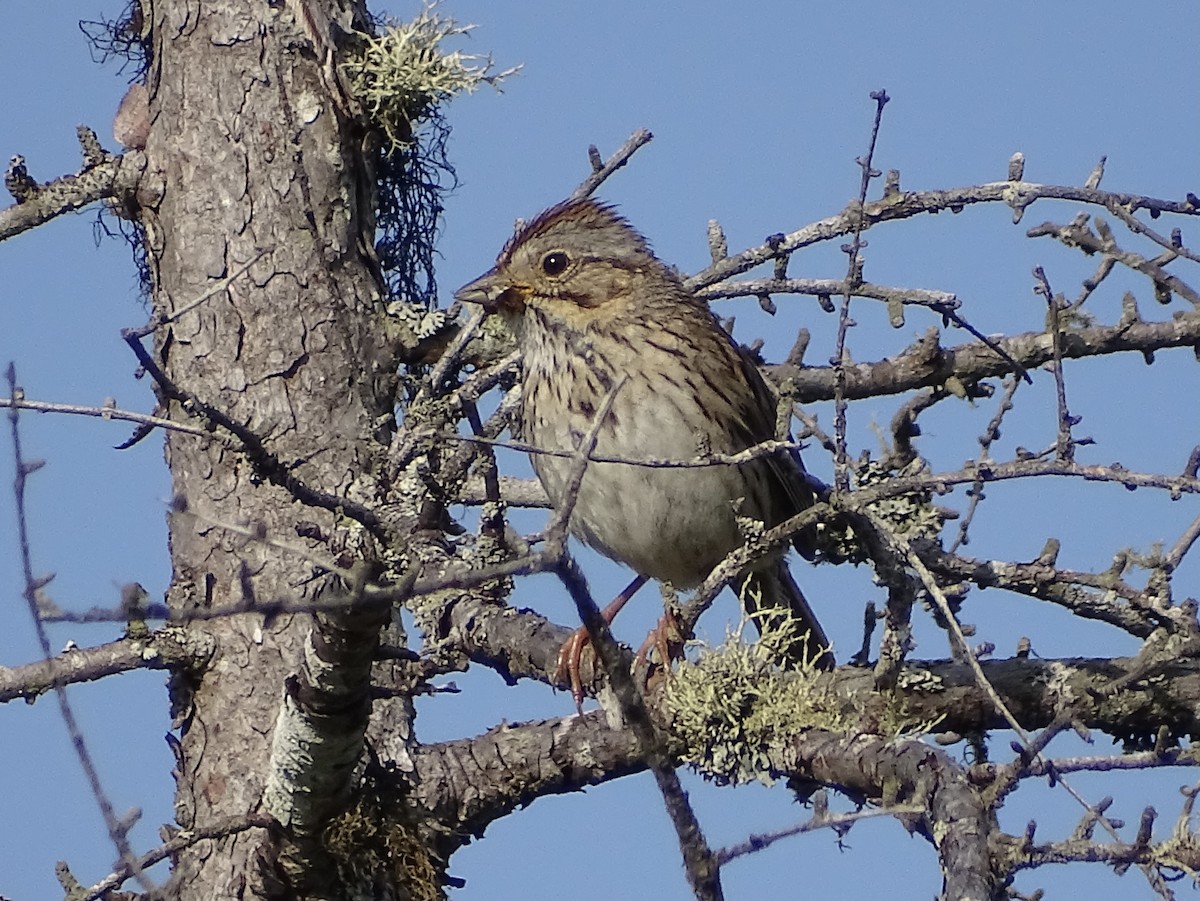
{"x": 594, "y": 310}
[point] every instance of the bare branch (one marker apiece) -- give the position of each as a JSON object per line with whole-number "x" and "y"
{"x": 840, "y": 823}
{"x": 167, "y": 648}
{"x": 1065, "y": 444}
{"x": 107, "y": 411}
{"x": 825, "y": 287}
{"x": 702, "y": 868}
{"x": 213, "y": 290}
{"x": 841, "y": 462}
{"x": 117, "y": 828}
{"x": 616, "y": 161}
{"x": 269, "y": 466}
{"x": 179, "y": 842}
{"x": 114, "y": 177}
{"x": 762, "y": 449}
{"x": 1045, "y": 581}
{"x": 927, "y": 363}
{"x": 1018, "y": 194}
{"x": 1183, "y": 545}
{"x": 1173, "y": 245}
{"x": 1077, "y": 234}
{"x": 986, "y": 440}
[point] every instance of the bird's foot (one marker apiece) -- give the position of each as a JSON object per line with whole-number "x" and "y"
{"x": 569, "y": 658}
{"x": 666, "y": 640}
{"x": 569, "y": 661}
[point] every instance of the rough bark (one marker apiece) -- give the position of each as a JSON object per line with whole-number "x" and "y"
{"x": 247, "y": 157}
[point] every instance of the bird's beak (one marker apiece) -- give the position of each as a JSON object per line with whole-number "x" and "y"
{"x": 491, "y": 292}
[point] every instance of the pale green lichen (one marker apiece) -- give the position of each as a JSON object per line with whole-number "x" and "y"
{"x": 912, "y": 515}
{"x": 733, "y": 705}
{"x": 403, "y": 73}
{"x": 735, "y": 709}
{"x": 1182, "y": 850}
{"x": 419, "y": 319}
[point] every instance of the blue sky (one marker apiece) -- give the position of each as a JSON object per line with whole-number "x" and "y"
{"x": 758, "y": 111}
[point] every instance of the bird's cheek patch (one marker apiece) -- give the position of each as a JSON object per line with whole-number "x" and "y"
{"x": 617, "y": 284}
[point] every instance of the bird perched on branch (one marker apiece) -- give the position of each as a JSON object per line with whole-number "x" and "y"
{"x": 595, "y": 310}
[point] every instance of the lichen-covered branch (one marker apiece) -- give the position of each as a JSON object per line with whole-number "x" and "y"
{"x": 928, "y": 363}
{"x": 167, "y": 648}
{"x": 114, "y": 177}
{"x": 318, "y": 741}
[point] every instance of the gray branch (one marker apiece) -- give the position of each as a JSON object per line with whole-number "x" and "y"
{"x": 115, "y": 177}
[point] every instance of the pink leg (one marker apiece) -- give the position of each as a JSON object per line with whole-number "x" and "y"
{"x": 572, "y": 650}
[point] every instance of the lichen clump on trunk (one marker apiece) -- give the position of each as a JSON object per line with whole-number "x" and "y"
{"x": 402, "y": 74}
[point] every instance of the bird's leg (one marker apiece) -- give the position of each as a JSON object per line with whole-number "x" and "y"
{"x": 572, "y": 650}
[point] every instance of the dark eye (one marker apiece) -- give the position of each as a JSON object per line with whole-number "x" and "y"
{"x": 555, "y": 263}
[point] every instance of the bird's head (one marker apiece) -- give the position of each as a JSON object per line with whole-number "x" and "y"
{"x": 575, "y": 263}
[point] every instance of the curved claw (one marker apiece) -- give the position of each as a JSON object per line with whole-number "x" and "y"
{"x": 666, "y": 639}
{"x": 569, "y": 659}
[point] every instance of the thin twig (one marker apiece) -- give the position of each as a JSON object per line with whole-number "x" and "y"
{"x": 860, "y": 499}
{"x": 117, "y": 828}
{"x": 452, "y": 353}
{"x": 1137, "y": 760}
{"x": 995, "y": 346}
{"x": 841, "y": 462}
{"x": 257, "y": 532}
{"x": 1065, "y": 444}
{"x": 181, "y": 841}
{"x": 828, "y": 287}
{"x": 812, "y": 428}
{"x": 104, "y": 412}
{"x": 1020, "y": 469}
{"x": 914, "y": 203}
{"x": 1031, "y": 754}
{"x": 492, "y": 523}
{"x": 211, "y": 291}
{"x": 905, "y": 550}
{"x": 589, "y": 185}
{"x": 839, "y": 822}
{"x": 1138, "y": 227}
{"x": 762, "y": 449}
{"x": 702, "y": 867}
{"x": 901, "y": 547}
{"x": 986, "y": 440}
{"x": 1077, "y": 234}
{"x": 266, "y": 463}
{"x": 412, "y": 440}
{"x": 1185, "y": 543}
{"x": 556, "y": 529}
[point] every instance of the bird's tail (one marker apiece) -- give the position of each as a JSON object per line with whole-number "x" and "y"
{"x": 774, "y": 601}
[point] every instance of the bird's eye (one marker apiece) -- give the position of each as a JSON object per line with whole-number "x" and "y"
{"x": 555, "y": 263}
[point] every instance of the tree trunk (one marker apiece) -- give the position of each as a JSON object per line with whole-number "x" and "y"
{"x": 249, "y": 158}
